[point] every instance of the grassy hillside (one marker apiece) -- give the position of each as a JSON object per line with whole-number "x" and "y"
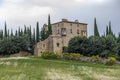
{"x": 40, "y": 69}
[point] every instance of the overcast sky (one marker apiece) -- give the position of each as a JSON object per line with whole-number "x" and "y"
{"x": 19, "y": 12}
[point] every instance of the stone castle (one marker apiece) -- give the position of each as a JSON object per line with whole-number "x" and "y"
{"x": 62, "y": 32}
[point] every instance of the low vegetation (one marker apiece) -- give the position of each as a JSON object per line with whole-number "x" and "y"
{"x": 50, "y": 55}
{"x": 36, "y": 68}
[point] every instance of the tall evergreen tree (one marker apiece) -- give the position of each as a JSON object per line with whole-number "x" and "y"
{"x": 110, "y": 30}
{"x": 37, "y": 32}
{"x": 49, "y": 26}
{"x": 25, "y": 29}
{"x": 19, "y": 33}
{"x": 16, "y": 33}
{"x": 11, "y": 32}
{"x": 96, "y": 33}
{"x": 44, "y": 34}
{"x": 5, "y": 30}
{"x": 30, "y": 33}
{"x": 8, "y": 34}
{"x": 34, "y": 40}
{"x": 107, "y": 31}
{"x": 1, "y": 34}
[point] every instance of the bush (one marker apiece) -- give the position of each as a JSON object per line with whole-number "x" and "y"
{"x": 105, "y": 54}
{"x": 75, "y": 56}
{"x": 111, "y": 61}
{"x": 118, "y": 58}
{"x": 66, "y": 56}
{"x": 72, "y": 56}
{"x": 50, "y": 55}
{"x": 95, "y": 58}
{"x": 65, "y": 49}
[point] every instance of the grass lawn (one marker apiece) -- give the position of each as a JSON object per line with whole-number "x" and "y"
{"x": 40, "y": 69}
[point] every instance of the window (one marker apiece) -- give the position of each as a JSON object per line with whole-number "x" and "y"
{"x": 58, "y": 44}
{"x": 70, "y": 30}
{"x": 77, "y": 25}
{"x": 70, "y": 24}
{"x": 77, "y": 31}
{"x": 43, "y": 45}
{"x": 58, "y": 31}
{"x": 63, "y": 31}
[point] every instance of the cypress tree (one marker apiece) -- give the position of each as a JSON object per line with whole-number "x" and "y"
{"x": 1, "y": 34}
{"x": 34, "y": 40}
{"x": 37, "y": 32}
{"x": 49, "y": 26}
{"x": 43, "y": 34}
{"x": 16, "y": 33}
{"x": 5, "y": 33}
{"x": 25, "y": 30}
{"x": 110, "y": 30}
{"x": 19, "y": 33}
{"x": 107, "y": 31}
{"x": 96, "y": 33}
{"x": 8, "y": 34}
{"x": 30, "y": 33}
{"x": 11, "y": 32}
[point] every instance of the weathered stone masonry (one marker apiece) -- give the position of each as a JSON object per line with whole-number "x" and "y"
{"x": 62, "y": 32}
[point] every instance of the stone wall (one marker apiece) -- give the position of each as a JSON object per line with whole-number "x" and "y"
{"x": 62, "y": 32}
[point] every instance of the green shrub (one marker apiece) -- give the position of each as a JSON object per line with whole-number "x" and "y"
{"x": 118, "y": 58}
{"x": 65, "y": 49}
{"x": 75, "y": 56}
{"x": 105, "y": 54}
{"x": 95, "y": 57}
{"x": 50, "y": 55}
{"x": 111, "y": 61}
{"x": 72, "y": 56}
{"x": 66, "y": 56}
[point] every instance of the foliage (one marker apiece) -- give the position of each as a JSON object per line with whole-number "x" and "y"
{"x": 94, "y": 45}
{"x": 13, "y": 45}
{"x": 105, "y": 54}
{"x": 111, "y": 61}
{"x": 66, "y": 56}
{"x": 22, "y": 40}
{"x": 49, "y": 26}
{"x": 44, "y": 34}
{"x": 75, "y": 56}
{"x": 95, "y": 58}
{"x": 111, "y": 44}
{"x": 37, "y": 32}
{"x": 96, "y": 33}
{"x": 72, "y": 56}
{"x": 78, "y": 45}
{"x": 5, "y": 32}
{"x": 65, "y": 49}
{"x": 50, "y": 55}
{"x": 107, "y": 31}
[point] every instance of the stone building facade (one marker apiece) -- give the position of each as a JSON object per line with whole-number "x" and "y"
{"x": 62, "y": 32}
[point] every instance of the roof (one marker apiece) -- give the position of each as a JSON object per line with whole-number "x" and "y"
{"x": 65, "y": 20}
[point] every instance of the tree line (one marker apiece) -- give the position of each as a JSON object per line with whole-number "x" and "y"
{"x": 23, "y": 39}
{"x": 103, "y": 45}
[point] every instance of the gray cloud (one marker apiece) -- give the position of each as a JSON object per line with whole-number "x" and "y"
{"x": 20, "y": 12}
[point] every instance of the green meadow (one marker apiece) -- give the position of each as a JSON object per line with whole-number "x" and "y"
{"x": 36, "y": 68}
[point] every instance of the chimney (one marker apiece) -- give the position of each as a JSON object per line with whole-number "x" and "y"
{"x": 64, "y": 20}
{"x": 76, "y": 21}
